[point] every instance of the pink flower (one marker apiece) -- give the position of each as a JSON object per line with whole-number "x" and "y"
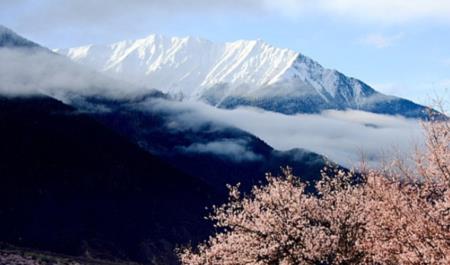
{"x": 396, "y": 215}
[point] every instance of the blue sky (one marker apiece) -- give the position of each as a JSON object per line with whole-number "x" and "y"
{"x": 400, "y": 47}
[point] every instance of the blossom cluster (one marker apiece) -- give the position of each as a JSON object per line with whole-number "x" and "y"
{"x": 396, "y": 214}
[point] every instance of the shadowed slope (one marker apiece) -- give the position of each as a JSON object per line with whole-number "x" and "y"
{"x": 73, "y": 186}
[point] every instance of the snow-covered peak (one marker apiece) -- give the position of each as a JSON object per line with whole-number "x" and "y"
{"x": 187, "y": 65}
{"x": 230, "y": 74}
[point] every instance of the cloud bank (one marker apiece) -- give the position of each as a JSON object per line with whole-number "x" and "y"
{"x": 105, "y": 11}
{"x": 39, "y": 71}
{"x": 389, "y": 11}
{"x": 236, "y": 150}
{"x": 342, "y": 136}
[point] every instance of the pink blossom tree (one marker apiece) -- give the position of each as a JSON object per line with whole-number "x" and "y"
{"x": 392, "y": 215}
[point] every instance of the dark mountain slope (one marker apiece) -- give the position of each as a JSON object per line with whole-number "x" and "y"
{"x": 9, "y": 39}
{"x": 236, "y": 156}
{"x": 72, "y": 186}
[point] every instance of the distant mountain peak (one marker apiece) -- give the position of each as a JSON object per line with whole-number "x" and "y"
{"x": 187, "y": 65}
{"x": 10, "y": 39}
{"x": 231, "y": 74}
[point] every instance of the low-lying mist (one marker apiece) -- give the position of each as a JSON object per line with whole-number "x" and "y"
{"x": 28, "y": 71}
{"x": 345, "y": 137}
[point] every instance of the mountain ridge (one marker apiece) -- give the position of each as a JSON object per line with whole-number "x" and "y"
{"x": 239, "y": 73}
{"x": 8, "y": 38}
{"x": 159, "y": 50}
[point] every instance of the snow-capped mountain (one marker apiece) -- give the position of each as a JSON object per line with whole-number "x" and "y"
{"x": 187, "y": 65}
{"x": 244, "y": 72}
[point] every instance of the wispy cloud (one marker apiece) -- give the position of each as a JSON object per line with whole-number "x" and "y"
{"x": 103, "y": 12}
{"x": 236, "y": 150}
{"x": 380, "y": 40}
{"x": 32, "y": 71}
{"x": 389, "y": 11}
{"x": 343, "y": 136}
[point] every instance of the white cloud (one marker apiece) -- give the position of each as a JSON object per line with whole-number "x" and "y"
{"x": 288, "y": 8}
{"x": 343, "y": 136}
{"x": 236, "y": 150}
{"x": 31, "y": 71}
{"x": 380, "y": 40}
{"x": 389, "y": 11}
{"x": 378, "y": 11}
{"x": 78, "y": 12}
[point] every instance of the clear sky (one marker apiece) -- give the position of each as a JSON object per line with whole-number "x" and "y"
{"x": 400, "y": 47}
